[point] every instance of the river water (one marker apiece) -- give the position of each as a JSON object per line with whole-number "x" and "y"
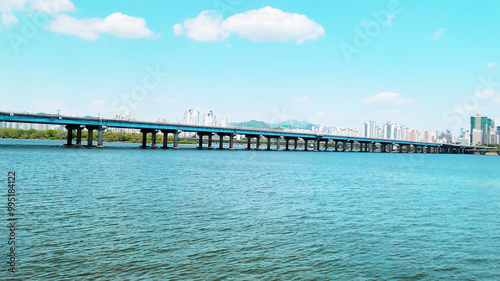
{"x": 125, "y": 213}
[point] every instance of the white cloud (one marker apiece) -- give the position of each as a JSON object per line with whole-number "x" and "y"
{"x": 490, "y": 64}
{"x": 265, "y": 24}
{"x": 484, "y": 94}
{"x": 387, "y": 98}
{"x": 51, "y": 7}
{"x": 301, "y": 100}
{"x": 117, "y": 24}
{"x": 438, "y": 34}
{"x": 178, "y": 30}
{"x": 207, "y": 27}
{"x": 8, "y": 19}
{"x": 9, "y": 5}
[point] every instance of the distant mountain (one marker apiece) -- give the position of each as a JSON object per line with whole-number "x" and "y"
{"x": 251, "y": 124}
{"x": 295, "y": 124}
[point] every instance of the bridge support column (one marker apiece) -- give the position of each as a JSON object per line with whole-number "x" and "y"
{"x": 144, "y": 139}
{"x": 210, "y": 142}
{"x": 344, "y": 146}
{"x": 176, "y": 140}
{"x": 165, "y": 139}
{"x": 382, "y": 148}
{"x": 69, "y": 138}
{"x": 316, "y": 145}
{"x": 221, "y": 141}
{"x": 305, "y": 144}
{"x": 100, "y": 137}
{"x": 153, "y": 139}
{"x": 278, "y": 143}
{"x": 90, "y": 135}
{"x": 295, "y": 144}
{"x": 231, "y": 141}
{"x": 257, "y": 143}
{"x": 249, "y": 140}
{"x": 268, "y": 143}
{"x": 326, "y": 145}
{"x": 287, "y": 142}
{"x": 336, "y": 146}
{"x": 78, "y": 137}
{"x": 200, "y": 141}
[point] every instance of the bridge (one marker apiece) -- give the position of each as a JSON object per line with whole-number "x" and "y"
{"x": 289, "y": 139}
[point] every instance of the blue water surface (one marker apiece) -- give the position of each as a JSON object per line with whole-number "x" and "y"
{"x": 125, "y": 213}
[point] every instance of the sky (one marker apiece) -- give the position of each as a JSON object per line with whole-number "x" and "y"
{"x": 424, "y": 64}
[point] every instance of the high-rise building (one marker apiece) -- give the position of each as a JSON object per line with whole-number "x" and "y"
{"x": 209, "y": 119}
{"x": 369, "y": 129}
{"x": 224, "y": 122}
{"x": 389, "y": 130}
{"x": 486, "y": 125}
{"x": 476, "y": 137}
{"x": 192, "y": 117}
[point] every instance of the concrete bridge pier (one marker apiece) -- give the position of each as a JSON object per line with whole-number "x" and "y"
{"x": 153, "y": 138}
{"x": 79, "y": 136}
{"x": 231, "y": 142}
{"x": 305, "y": 144}
{"x": 176, "y": 139}
{"x": 100, "y": 137}
{"x": 344, "y": 146}
{"x": 165, "y": 138}
{"x": 210, "y": 141}
{"x": 200, "y": 141}
{"x": 295, "y": 144}
{"x": 287, "y": 143}
{"x": 90, "y": 135}
{"x": 278, "y": 143}
{"x": 257, "y": 143}
{"x": 221, "y": 141}
{"x": 145, "y": 133}
{"x": 326, "y": 145}
{"x": 316, "y": 145}
{"x": 382, "y": 147}
{"x": 69, "y": 138}
{"x": 268, "y": 143}
{"x": 249, "y": 141}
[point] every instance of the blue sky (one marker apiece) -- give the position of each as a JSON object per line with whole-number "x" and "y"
{"x": 425, "y": 64}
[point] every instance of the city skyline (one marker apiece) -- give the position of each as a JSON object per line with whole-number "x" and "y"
{"x": 341, "y": 64}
